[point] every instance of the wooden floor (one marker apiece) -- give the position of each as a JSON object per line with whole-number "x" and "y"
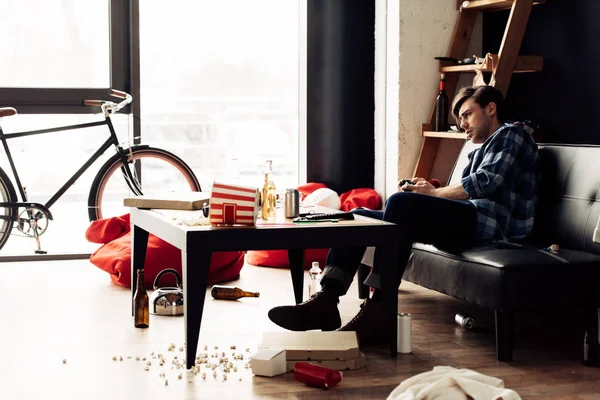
{"x": 68, "y": 310}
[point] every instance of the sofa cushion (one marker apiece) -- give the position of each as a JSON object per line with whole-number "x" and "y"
{"x": 502, "y": 278}
{"x": 569, "y": 204}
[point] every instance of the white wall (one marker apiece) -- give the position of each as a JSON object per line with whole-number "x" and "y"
{"x": 407, "y": 80}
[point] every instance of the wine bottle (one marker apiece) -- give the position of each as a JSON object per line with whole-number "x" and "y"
{"x": 269, "y": 198}
{"x": 230, "y": 293}
{"x": 441, "y": 107}
{"x": 141, "y": 303}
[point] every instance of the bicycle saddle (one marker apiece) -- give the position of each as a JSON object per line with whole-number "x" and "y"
{"x": 7, "y": 111}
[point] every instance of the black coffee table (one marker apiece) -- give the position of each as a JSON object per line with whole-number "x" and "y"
{"x": 198, "y": 242}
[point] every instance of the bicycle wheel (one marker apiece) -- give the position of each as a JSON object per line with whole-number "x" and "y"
{"x": 7, "y": 195}
{"x": 156, "y": 171}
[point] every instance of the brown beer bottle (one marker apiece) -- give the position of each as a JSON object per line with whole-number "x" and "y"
{"x": 230, "y": 293}
{"x": 141, "y": 303}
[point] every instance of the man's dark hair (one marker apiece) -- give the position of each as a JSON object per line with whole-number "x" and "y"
{"x": 482, "y": 95}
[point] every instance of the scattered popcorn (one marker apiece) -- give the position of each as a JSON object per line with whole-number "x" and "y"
{"x": 193, "y": 221}
{"x": 219, "y": 362}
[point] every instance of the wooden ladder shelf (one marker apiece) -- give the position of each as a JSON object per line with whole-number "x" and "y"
{"x": 508, "y": 62}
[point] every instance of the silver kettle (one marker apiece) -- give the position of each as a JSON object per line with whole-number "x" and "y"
{"x": 167, "y": 300}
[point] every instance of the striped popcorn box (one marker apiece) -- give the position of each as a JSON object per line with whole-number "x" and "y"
{"x": 233, "y": 205}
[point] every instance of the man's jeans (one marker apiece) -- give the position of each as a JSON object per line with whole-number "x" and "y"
{"x": 419, "y": 218}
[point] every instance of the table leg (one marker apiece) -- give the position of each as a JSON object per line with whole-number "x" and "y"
{"x": 388, "y": 255}
{"x": 195, "y": 266}
{"x": 296, "y": 258}
{"x": 139, "y": 243}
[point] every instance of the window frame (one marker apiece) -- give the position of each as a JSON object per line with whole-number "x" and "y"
{"x": 124, "y": 72}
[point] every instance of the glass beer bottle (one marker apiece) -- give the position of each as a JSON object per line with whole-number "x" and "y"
{"x": 141, "y": 303}
{"x": 230, "y": 293}
{"x": 269, "y": 198}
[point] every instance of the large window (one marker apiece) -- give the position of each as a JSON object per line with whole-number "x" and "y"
{"x": 219, "y": 86}
{"x": 216, "y": 83}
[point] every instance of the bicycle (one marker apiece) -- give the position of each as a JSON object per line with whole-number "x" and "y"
{"x": 108, "y": 187}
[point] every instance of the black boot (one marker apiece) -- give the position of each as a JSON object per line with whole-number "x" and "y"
{"x": 318, "y": 312}
{"x": 370, "y": 323}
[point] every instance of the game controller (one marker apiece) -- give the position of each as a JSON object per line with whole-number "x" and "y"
{"x": 436, "y": 183}
{"x": 405, "y": 181}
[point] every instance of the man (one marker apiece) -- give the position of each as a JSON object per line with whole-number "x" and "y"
{"x": 495, "y": 200}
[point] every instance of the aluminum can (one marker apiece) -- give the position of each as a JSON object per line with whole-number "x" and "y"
{"x": 404, "y": 340}
{"x": 464, "y": 320}
{"x": 292, "y": 203}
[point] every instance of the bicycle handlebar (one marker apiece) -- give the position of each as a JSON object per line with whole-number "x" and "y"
{"x": 93, "y": 103}
{"x": 108, "y": 105}
{"x": 118, "y": 93}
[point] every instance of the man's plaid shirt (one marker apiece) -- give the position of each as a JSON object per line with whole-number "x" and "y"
{"x": 501, "y": 180}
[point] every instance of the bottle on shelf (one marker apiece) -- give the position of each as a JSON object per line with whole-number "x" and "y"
{"x": 269, "y": 197}
{"x": 314, "y": 284}
{"x": 230, "y": 293}
{"x": 441, "y": 107}
{"x": 141, "y": 303}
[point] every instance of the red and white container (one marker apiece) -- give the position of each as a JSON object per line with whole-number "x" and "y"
{"x": 233, "y": 205}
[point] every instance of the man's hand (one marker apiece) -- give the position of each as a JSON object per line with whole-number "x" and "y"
{"x": 420, "y": 186}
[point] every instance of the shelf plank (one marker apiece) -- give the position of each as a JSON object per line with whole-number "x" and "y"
{"x": 524, "y": 64}
{"x": 491, "y": 5}
{"x": 445, "y": 135}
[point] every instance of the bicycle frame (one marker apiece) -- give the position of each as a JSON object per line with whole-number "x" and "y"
{"x": 111, "y": 141}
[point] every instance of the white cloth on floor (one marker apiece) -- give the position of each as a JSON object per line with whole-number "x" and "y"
{"x": 597, "y": 232}
{"x": 448, "y": 383}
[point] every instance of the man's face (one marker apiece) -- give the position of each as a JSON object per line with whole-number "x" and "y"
{"x": 477, "y": 122}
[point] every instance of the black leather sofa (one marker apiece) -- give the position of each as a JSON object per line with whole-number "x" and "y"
{"x": 506, "y": 278}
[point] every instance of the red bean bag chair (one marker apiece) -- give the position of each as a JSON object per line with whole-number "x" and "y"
{"x": 279, "y": 258}
{"x": 363, "y": 197}
{"x": 114, "y": 256}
